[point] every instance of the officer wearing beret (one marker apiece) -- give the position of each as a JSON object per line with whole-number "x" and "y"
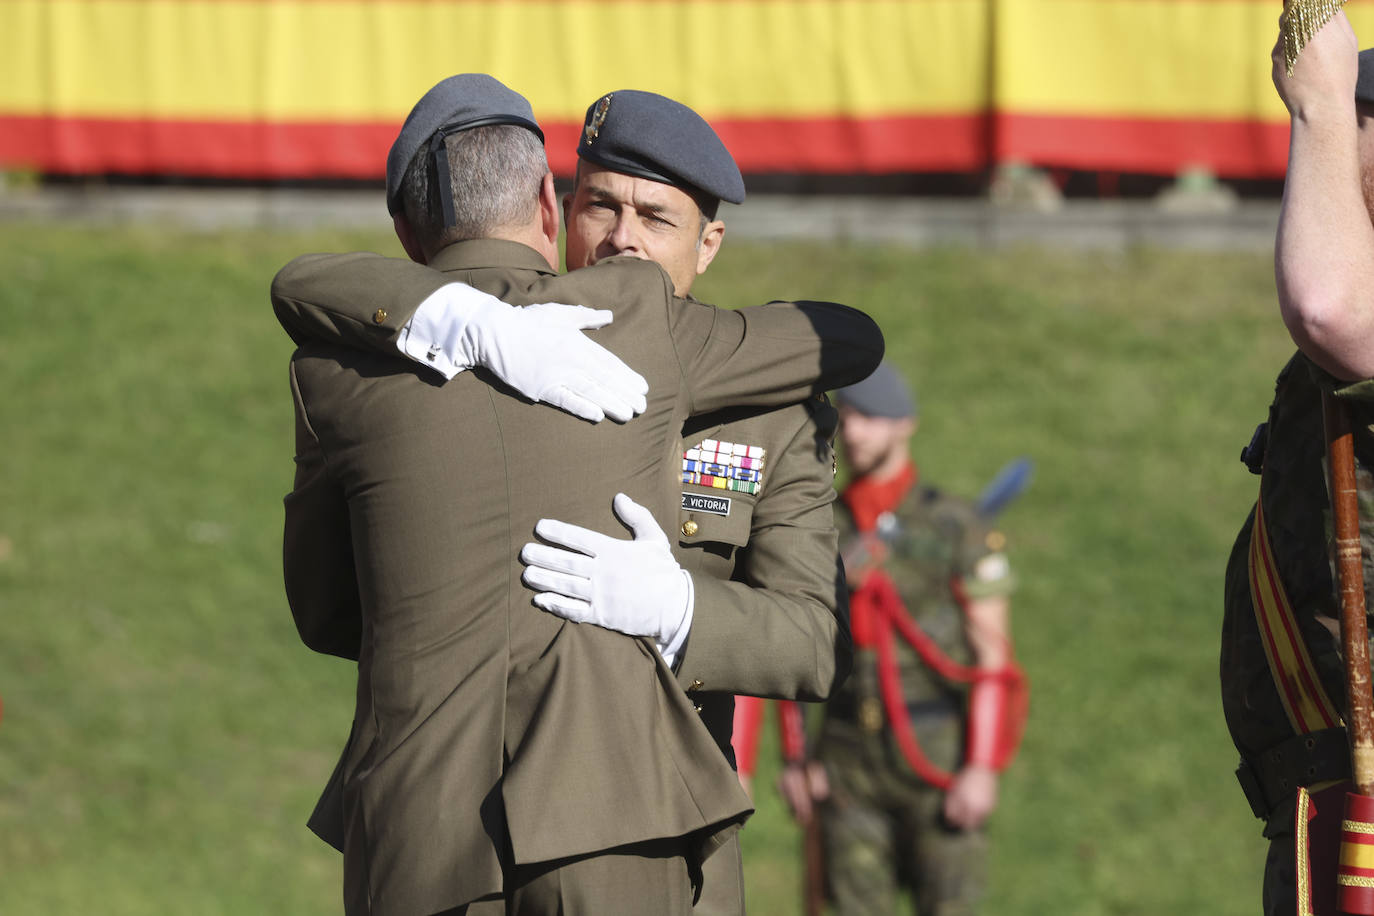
{"x": 1282, "y": 678}
{"x": 502, "y": 759}
{"x": 650, "y": 175}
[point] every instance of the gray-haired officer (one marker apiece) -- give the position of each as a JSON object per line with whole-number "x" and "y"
{"x": 754, "y": 539}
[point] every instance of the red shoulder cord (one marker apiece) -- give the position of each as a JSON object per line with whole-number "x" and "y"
{"x": 996, "y": 701}
{"x": 745, "y": 738}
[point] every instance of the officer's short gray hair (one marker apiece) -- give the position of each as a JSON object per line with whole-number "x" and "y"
{"x": 495, "y": 173}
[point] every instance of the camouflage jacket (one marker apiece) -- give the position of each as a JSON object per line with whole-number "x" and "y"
{"x": 938, "y": 544}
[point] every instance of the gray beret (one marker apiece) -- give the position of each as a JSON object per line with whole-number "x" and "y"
{"x": 883, "y": 394}
{"x": 457, "y": 103}
{"x": 651, "y": 136}
{"x": 1364, "y": 83}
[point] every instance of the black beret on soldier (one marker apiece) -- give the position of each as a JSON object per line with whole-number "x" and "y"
{"x": 883, "y": 394}
{"x": 454, "y": 104}
{"x": 651, "y": 136}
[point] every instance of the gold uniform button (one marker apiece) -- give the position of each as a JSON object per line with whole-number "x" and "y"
{"x": 690, "y": 528}
{"x": 379, "y": 316}
{"x": 696, "y": 685}
{"x": 697, "y": 708}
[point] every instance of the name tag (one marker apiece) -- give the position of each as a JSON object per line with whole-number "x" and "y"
{"x": 700, "y": 502}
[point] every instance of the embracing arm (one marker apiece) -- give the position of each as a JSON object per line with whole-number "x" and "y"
{"x": 771, "y": 355}
{"x": 360, "y": 300}
{"x": 317, "y": 550}
{"x": 1324, "y": 249}
{"x": 402, "y": 308}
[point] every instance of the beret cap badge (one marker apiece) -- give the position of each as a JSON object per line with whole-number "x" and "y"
{"x": 593, "y": 129}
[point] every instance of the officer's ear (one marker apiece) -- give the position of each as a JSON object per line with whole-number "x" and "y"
{"x": 709, "y": 245}
{"x": 409, "y": 241}
{"x": 548, "y": 210}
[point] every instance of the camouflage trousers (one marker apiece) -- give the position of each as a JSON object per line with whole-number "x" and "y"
{"x": 884, "y": 830}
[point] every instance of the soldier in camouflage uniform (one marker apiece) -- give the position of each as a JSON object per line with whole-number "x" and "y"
{"x": 1282, "y": 679}
{"x": 890, "y": 817}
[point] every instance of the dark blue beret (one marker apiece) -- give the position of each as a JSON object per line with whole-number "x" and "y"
{"x": 1364, "y": 83}
{"x": 883, "y": 394}
{"x": 650, "y": 136}
{"x": 457, "y": 103}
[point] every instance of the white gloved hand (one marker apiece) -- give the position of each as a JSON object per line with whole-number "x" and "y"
{"x": 634, "y": 586}
{"x": 539, "y": 350}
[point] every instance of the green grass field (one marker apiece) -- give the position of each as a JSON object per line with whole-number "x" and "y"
{"x": 165, "y": 734}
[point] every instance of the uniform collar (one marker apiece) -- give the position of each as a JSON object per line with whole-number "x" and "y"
{"x": 868, "y": 498}
{"x": 475, "y": 254}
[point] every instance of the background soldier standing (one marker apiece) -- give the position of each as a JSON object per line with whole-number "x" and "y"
{"x": 906, "y": 768}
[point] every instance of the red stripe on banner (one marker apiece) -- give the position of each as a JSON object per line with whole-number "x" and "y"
{"x": 358, "y": 149}
{"x": 1359, "y": 839}
{"x": 1238, "y": 149}
{"x": 916, "y": 143}
{"x": 198, "y": 148}
{"x": 931, "y": 143}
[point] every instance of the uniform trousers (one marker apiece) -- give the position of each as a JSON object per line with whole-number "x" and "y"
{"x": 882, "y": 828}
{"x": 632, "y": 880}
{"x": 722, "y": 886}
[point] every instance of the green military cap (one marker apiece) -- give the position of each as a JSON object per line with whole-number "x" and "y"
{"x": 1364, "y": 83}
{"x": 454, "y": 104}
{"x": 883, "y": 394}
{"x": 650, "y": 136}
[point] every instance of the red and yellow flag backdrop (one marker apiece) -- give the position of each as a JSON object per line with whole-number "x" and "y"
{"x": 317, "y": 88}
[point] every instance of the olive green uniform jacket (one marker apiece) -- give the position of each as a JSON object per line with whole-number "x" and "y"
{"x": 940, "y": 540}
{"x": 483, "y": 723}
{"x": 771, "y": 611}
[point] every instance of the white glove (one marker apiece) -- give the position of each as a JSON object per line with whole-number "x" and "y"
{"x": 634, "y": 587}
{"x": 539, "y": 350}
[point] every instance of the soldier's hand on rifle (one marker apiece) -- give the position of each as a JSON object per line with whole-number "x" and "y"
{"x": 972, "y": 797}
{"x": 802, "y": 784}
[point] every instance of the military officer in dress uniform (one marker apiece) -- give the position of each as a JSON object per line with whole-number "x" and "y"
{"x": 405, "y": 480}
{"x": 1282, "y": 679}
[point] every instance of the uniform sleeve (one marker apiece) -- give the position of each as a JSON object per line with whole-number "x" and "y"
{"x": 317, "y": 550}
{"x": 782, "y": 629}
{"x": 359, "y": 300}
{"x": 771, "y": 355}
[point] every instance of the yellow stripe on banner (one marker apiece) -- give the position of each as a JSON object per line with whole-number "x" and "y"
{"x": 318, "y": 60}
{"x": 1145, "y": 58}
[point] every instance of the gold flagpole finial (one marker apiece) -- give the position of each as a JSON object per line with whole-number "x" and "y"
{"x": 1301, "y": 20}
